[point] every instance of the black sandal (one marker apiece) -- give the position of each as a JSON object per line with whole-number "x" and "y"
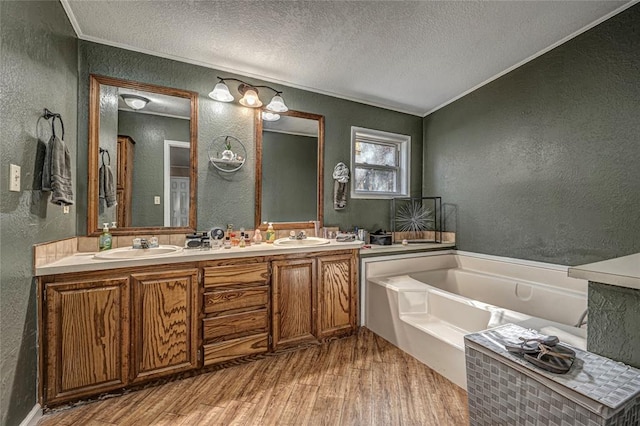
{"x": 557, "y": 359}
{"x": 531, "y": 346}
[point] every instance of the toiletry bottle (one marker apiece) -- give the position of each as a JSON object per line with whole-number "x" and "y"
{"x": 105, "y": 238}
{"x": 257, "y": 237}
{"x": 242, "y": 243}
{"x": 227, "y": 242}
{"x": 271, "y": 233}
{"x": 247, "y": 239}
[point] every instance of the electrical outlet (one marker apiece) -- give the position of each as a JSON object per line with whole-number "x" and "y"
{"x": 65, "y": 209}
{"x": 156, "y": 199}
{"x": 14, "y": 178}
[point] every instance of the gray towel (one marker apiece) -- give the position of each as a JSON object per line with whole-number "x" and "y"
{"x": 106, "y": 185}
{"x": 339, "y": 195}
{"x": 56, "y": 173}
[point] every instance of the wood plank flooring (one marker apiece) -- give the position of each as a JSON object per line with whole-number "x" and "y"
{"x": 361, "y": 380}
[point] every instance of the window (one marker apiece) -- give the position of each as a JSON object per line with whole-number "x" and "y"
{"x": 379, "y": 164}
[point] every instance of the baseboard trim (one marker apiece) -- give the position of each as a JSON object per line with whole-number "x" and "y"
{"x": 33, "y": 417}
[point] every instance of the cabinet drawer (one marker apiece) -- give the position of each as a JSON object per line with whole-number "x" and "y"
{"x": 224, "y": 351}
{"x": 232, "y": 325}
{"x": 234, "y": 299}
{"x": 236, "y": 274}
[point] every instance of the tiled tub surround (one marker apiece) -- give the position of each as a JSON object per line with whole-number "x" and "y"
{"x": 614, "y": 298}
{"x": 426, "y": 304}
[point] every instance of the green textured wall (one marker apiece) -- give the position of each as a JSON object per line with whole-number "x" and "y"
{"x": 38, "y": 68}
{"x": 289, "y": 170}
{"x": 149, "y": 132}
{"x": 543, "y": 163}
{"x": 229, "y": 198}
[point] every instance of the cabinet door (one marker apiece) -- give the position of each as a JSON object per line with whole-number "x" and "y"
{"x": 165, "y": 323}
{"x": 86, "y": 337}
{"x": 337, "y": 299}
{"x": 294, "y": 294}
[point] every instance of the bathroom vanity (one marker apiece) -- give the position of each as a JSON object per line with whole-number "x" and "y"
{"x": 108, "y": 325}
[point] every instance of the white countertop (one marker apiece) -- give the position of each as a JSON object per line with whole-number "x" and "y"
{"x": 82, "y": 262}
{"x": 621, "y": 271}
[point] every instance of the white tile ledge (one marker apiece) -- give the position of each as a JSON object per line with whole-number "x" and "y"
{"x": 83, "y": 262}
{"x": 622, "y": 271}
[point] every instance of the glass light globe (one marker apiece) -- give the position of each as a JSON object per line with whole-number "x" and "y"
{"x": 221, "y": 93}
{"x": 250, "y": 99}
{"x": 277, "y": 104}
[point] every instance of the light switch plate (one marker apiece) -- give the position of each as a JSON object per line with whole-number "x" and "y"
{"x": 156, "y": 199}
{"x": 65, "y": 209}
{"x": 14, "y": 178}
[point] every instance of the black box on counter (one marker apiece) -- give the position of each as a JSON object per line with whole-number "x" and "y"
{"x": 380, "y": 239}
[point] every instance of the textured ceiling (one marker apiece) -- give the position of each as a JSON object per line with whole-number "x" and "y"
{"x": 407, "y": 56}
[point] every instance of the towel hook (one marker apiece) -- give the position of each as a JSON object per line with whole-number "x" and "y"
{"x": 48, "y": 114}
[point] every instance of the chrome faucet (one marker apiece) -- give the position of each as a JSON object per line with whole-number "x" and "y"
{"x": 301, "y": 235}
{"x": 144, "y": 243}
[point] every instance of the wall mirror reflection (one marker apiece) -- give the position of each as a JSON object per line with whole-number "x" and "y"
{"x": 289, "y": 169}
{"x": 142, "y": 157}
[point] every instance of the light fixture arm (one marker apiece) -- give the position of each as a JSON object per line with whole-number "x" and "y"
{"x": 222, "y": 80}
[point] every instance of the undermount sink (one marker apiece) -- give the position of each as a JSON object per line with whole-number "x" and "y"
{"x": 131, "y": 253}
{"x": 306, "y": 242}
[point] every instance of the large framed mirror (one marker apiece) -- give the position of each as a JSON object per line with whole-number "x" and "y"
{"x": 289, "y": 170}
{"x": 142, "y": 165}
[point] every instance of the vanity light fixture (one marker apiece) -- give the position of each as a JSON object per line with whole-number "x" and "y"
{"x": 270, "y": 116}
{"x": 249, "y": 95}
{"x": 134, "y": 101}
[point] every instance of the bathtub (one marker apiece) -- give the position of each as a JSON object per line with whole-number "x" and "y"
{"x": 426, "y": 304}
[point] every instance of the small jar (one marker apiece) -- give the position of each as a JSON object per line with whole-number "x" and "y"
{"x": 205, "y": 243}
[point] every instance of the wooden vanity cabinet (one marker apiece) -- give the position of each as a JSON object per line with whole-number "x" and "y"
{"x": 86, "y": 337}
{"x": 103, "y": 331}
{"x": 236, "y": 308}
{"x": 314, "y": 298}
{"x": 107, "y": 330}
{"x": 164, "y": 326}
{"x": 294, "y": 302}
{"x": 337, "y": 295}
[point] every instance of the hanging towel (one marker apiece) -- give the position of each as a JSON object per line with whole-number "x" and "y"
{"x": 106, "y": 185}
{"x": 341, "y": 177}
{"x": 56, "y": 173}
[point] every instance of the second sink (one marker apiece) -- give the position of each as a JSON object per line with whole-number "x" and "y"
{"x": 306, "y": 242}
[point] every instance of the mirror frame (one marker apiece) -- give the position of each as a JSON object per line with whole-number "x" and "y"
{"x": 320, "y": 188}
{"x": 93, "y": 228}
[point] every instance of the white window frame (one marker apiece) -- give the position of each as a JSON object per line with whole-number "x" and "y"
{"x": 403, "y": 146}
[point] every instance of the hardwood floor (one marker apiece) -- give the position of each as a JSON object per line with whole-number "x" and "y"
{"x": 360, "y": 380}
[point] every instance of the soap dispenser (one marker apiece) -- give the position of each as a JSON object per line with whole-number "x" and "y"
{"x": 271, "y": 233}
{"x": 105, "y": 238}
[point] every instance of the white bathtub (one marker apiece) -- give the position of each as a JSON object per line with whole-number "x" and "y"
{"x": 428, "y": 306}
